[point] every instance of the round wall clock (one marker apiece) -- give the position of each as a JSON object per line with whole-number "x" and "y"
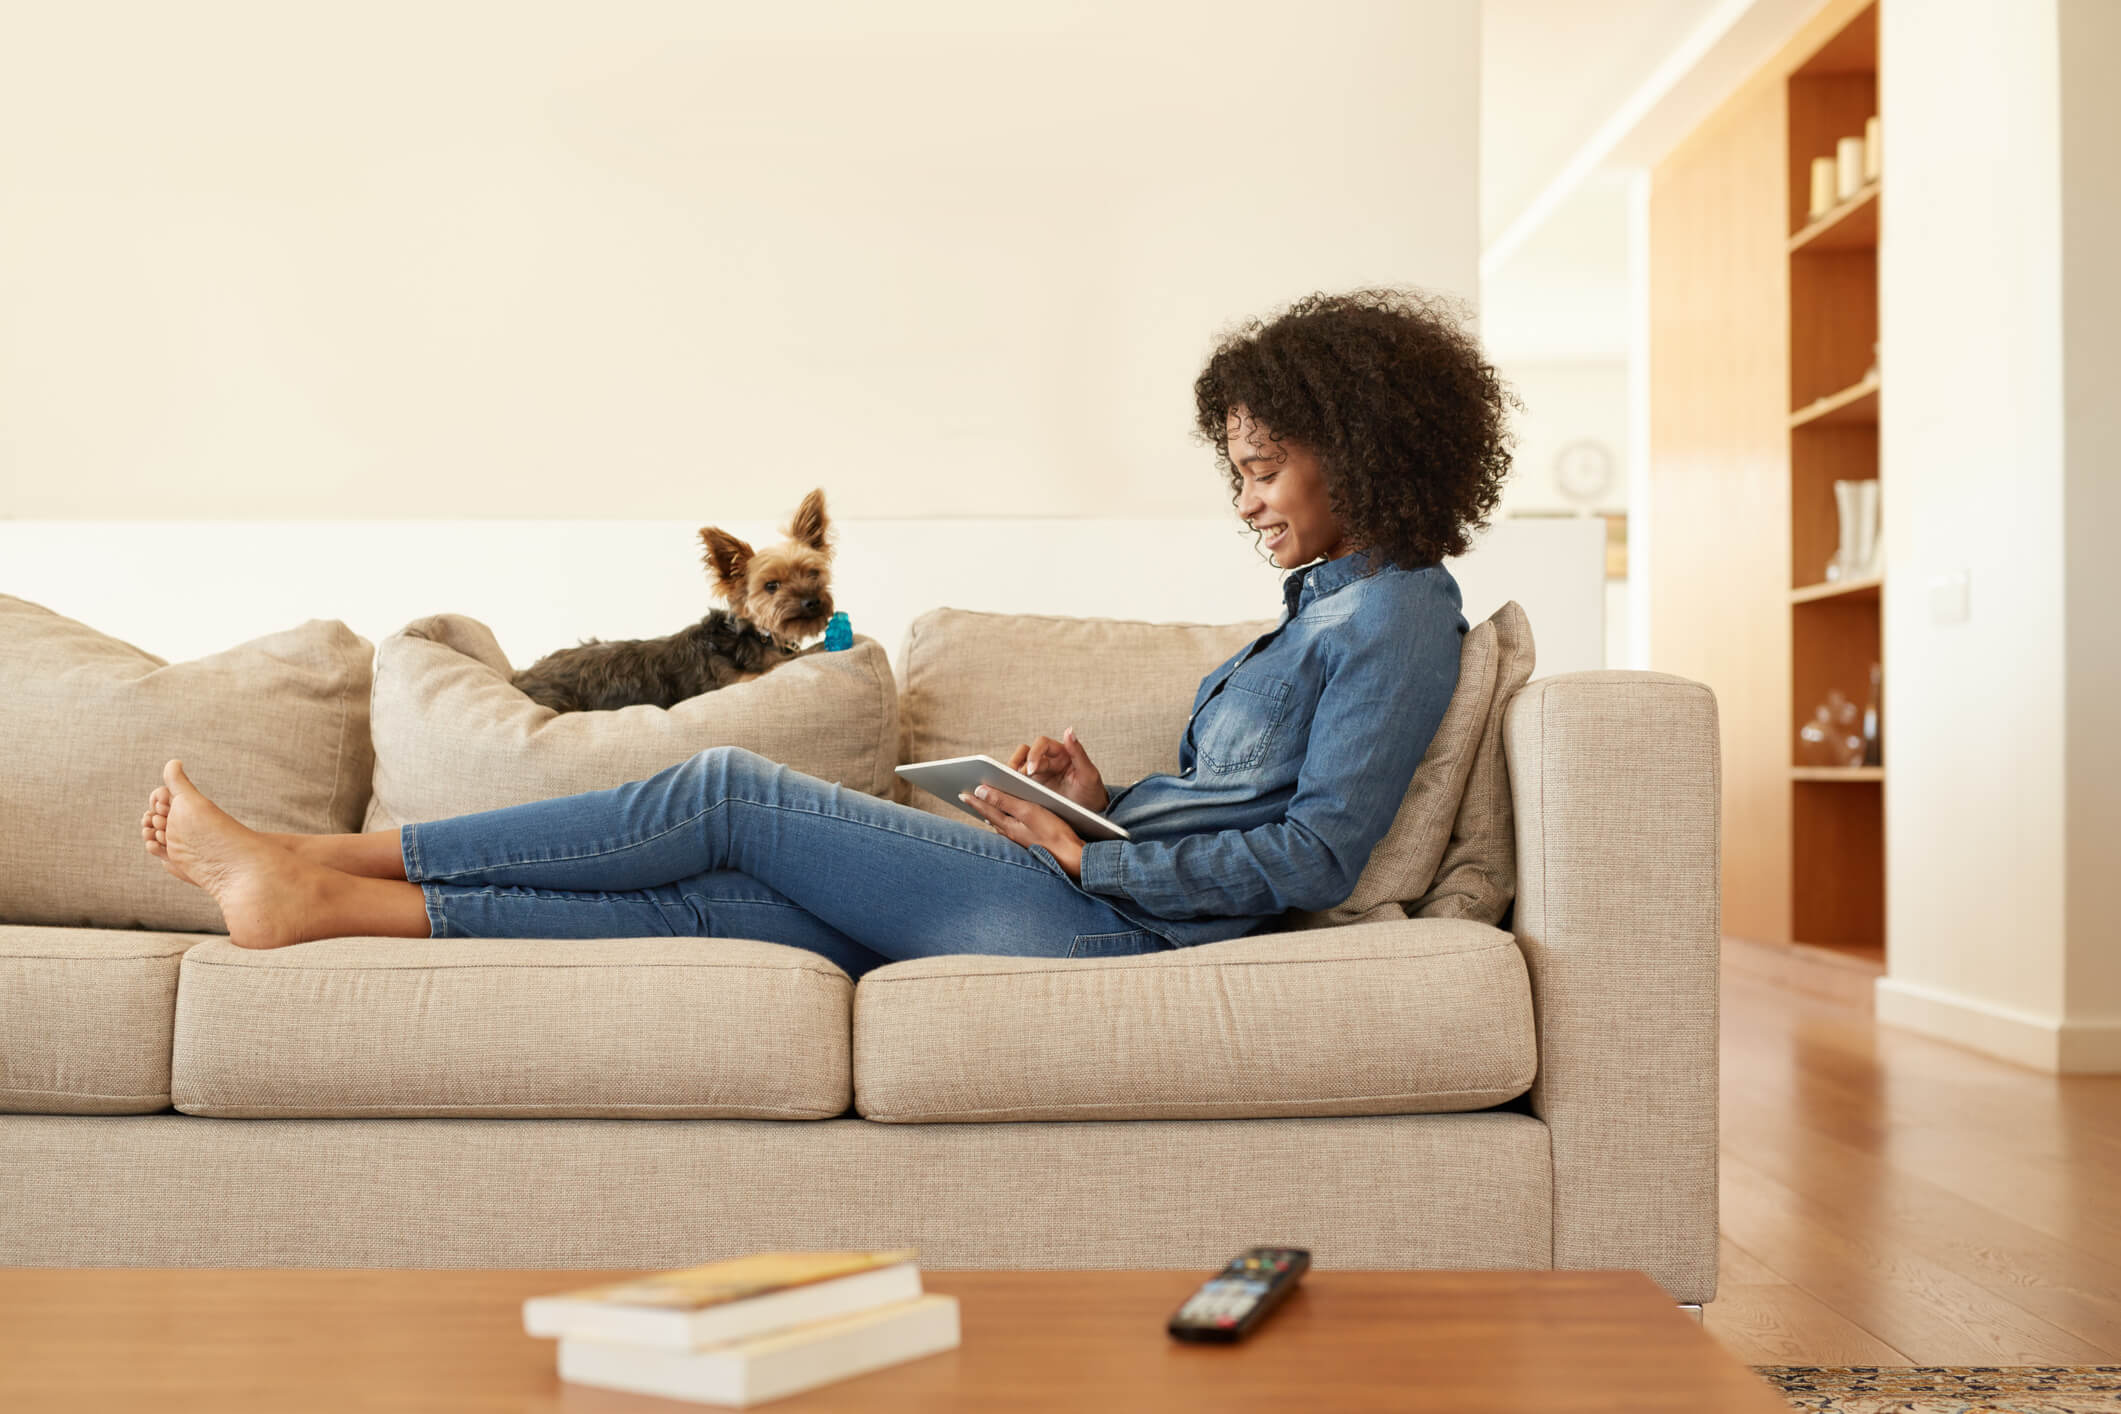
{"x": 1584, "y": 470}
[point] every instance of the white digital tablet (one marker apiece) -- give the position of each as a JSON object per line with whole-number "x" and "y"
{"x": 945, "y": 779}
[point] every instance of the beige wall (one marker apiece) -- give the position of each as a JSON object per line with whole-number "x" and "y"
{"x": 1998, "y": 324}
{"x": 2089, "y": 40}
{"x": 668, "y": 258}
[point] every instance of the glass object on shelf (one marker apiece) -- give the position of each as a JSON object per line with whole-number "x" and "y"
{"x": 1873, "y": 719}
{"x": 1857, "y": 556}
{"x": 1834, "y": 736}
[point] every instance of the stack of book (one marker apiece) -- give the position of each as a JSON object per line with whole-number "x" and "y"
{"x": 747, "y": 1330}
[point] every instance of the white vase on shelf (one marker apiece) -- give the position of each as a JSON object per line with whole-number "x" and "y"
{"x": 1857, "y": 556}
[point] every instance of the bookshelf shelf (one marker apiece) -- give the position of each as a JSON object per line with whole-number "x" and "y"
{"x": 1838, "y": 589}
{"x": 1839, "y": 775}
{"x": 1853, "y": 225}
{"x": 1854, "y": 406}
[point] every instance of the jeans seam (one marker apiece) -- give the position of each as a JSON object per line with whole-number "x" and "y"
{"x": 763, "y": 805}
{"x": 437, "y": 921}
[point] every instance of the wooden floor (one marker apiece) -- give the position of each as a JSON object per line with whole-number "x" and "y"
{"x": 1891, "y": 1200}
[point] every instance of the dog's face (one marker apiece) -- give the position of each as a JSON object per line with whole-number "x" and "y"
{"x": 785, "y": 589}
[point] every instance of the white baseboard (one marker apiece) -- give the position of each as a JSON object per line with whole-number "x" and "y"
{"x": 2042, "y": 1042}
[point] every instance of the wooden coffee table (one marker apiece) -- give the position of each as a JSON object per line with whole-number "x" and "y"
{"x": 453, "y": 1340}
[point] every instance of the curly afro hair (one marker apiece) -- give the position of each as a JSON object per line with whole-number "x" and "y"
{"x": 1392, "y": 394}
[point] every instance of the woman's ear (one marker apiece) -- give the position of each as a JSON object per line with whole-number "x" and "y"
{"x": 727, "y": 558}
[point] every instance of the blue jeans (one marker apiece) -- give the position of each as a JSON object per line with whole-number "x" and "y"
{"x": 731, "y": 845}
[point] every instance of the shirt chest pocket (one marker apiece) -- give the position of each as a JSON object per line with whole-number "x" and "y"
{"x": 1237, "y": 727}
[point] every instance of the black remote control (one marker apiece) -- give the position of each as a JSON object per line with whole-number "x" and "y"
{"x": 1230, "y": 1304}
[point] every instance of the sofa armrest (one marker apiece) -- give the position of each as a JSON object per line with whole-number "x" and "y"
{"x": 1615, "y": 779}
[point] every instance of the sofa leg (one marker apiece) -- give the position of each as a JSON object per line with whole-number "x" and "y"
{"x": 1691, "y": 1308}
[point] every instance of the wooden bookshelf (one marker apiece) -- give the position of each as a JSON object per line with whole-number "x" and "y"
{"x": 1837, "y": 814}
{"x": 1757, "y": 314}
{"x": 1865, "y": 588}
{"x": 1854, "y": 406}
{"x": 1853, "y": 225}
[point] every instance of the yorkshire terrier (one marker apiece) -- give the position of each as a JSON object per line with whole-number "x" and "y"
{"x": 778, "y": 597}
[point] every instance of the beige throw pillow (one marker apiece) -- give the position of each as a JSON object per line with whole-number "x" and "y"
{"x": 1406, "y": 858}
{"x": 276, "y": 730}
{"x": 977, "y": 682}
{"x": 1477, "y": 876}
{"x": 454, "y": 736}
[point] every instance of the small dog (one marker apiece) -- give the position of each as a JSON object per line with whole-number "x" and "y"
{"x": 780, "y": 596}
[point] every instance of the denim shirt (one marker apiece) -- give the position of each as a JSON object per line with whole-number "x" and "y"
{"x": 1298, "y": 753}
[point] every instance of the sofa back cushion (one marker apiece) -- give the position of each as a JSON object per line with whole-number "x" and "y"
{"x": 1438, "y": 814}
{"x": 276, "y": 730}
{"x": 453, "y": 735}
{"x": 1476, "y": 878}
{"x": 976, "y": 682}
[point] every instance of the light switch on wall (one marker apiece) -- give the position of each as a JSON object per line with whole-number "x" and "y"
{"x": 1949, "y": 597}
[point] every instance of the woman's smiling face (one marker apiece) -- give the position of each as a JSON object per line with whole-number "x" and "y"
{"x": 1283, "y": 495}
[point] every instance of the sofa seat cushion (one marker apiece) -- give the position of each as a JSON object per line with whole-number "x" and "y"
{"x": 85, "y": 1018}
{"x": 688, "y": 1028}
{"x": 1402, "y": 1017}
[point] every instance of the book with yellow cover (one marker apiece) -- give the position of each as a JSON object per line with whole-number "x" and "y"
{"x": 724, "y": 1301}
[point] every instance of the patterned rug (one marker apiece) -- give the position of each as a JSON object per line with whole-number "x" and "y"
{"x": 1949, "y": 1389}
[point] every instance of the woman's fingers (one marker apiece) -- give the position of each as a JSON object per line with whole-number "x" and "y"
{"x": 991, "y": 810}
{"x": 1041, "y": 763}
{"x": 1018, "y": 758}
{"x": 1075, "y": 749}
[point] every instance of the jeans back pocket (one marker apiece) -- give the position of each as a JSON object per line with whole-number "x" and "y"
{"x": 1128, "y": 944}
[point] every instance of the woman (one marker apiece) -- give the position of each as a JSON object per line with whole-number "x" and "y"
{"x": 1363, "y": 437}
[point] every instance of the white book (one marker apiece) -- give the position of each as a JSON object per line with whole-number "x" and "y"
{"x": 726, "y": 1301}
{"x": 770, "y": 1366}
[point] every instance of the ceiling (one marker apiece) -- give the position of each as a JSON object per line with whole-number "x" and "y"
{"x": 1552, "y": 72}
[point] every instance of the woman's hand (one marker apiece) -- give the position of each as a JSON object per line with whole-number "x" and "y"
{"x": 1028, "y": 825}
{"x": 1065, "y": 767}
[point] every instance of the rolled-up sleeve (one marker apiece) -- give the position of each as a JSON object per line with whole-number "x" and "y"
{"x": 1383, "y": 698}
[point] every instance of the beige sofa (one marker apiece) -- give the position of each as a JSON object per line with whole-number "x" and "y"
{"x": 1388, "y": 1090}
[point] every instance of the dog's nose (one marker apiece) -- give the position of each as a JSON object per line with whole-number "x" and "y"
{"x": 810, "y": 606}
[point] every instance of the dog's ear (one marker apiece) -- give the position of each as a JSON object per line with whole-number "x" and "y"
{"x": 727, "y": 557}
{"x": 810, "y": 526}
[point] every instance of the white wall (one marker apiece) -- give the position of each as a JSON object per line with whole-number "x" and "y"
{"x": 183, "y": 591}
{"x": 1999, "y": 730}
{"x": 660, "y": 258}
{"x": 1567, "y": 402}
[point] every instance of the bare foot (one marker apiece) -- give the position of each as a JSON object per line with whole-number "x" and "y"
{"x": 154, "y": 832}
{"x": 268, "y": 897}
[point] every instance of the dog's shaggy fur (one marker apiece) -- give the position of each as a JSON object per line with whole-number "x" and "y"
{"x": 778, "y": 597}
